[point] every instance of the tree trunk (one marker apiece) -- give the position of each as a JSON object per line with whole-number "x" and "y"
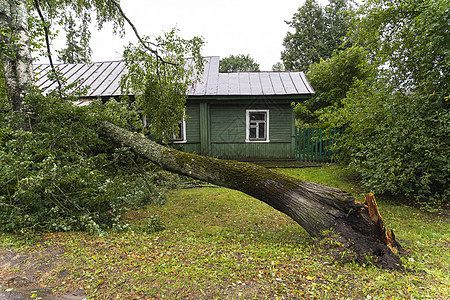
{"x": 316, "y": 208}
{"x": 15, "y": 52}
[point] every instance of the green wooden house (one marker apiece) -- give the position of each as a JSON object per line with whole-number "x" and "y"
{"x": 242, "y": 116}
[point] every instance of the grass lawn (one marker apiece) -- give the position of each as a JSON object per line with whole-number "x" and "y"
{"x": 222, "y": 244}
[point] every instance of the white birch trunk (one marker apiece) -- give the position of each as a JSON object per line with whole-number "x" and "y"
{"x": 15, "y": 53}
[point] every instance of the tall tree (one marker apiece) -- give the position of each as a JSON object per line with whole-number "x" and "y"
{"x": 397, "y": 123}
{"x": 77, "y": 48}
{"x": 317, "y": 32}
{"x": 238, "y": 63}
{"x": 332, "y": 79}
{"x": 410, "y": 39}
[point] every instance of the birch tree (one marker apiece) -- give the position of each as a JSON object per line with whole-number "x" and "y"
{"x": 15, "y": 52}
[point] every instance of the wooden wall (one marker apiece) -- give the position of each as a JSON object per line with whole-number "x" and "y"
{"x": 218, "y": 128}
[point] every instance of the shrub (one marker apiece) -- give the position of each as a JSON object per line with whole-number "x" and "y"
{"x": 61, "y": 176}
{"x": 398, "y": 143}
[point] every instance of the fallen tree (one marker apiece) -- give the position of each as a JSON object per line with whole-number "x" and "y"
{"x": 357, "y": 226}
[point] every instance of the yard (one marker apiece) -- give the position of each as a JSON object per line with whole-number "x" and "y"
{"x": 222, "y": 244}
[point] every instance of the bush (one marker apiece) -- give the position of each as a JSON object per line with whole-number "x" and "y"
{"x": 61, "y": 176}
{"x": 398, "y": 143}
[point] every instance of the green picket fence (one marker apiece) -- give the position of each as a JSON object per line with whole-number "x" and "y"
{"x": 316, "y": 144}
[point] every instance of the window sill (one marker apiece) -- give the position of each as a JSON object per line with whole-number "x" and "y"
{"x": 257, "y": 141}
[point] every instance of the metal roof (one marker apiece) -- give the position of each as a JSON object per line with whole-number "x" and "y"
{"x": 103, "y": 80}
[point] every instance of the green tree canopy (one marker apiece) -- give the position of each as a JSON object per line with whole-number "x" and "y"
{"x": 397, "y": 123}
{"x": 74, "y": 17}
{"x": 317, "y": 32}
{"x": 332, "y": 79}
{"x": 238, "y": 63}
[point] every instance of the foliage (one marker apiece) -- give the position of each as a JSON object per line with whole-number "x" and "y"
{"x": 278, "y": 67}
{"x": 397, "y": 124}
{"x": 411, "y": 39}
{"x": 77, "y": 42}
{"x": 238, "y": 63}
{"x": 6, "y": 39}
{"x": 61, "y": 176}
{"x": 75, "y": 18}
{"x": 331, "y": 79}
{"x": 318, "y": 31}
{"x": 161, "y": 84}
{"x": 4, "y": 105}
{"x": 398, "y": 143}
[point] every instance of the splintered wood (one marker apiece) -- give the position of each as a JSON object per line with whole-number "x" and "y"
{"x": 379, "y": 232}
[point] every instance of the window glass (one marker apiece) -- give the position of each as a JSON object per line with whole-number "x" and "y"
{"x": 180, "y": 135}
{"x": 257, "y": 125}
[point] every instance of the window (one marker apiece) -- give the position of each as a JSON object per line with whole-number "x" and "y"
{"x": 257, "y": 126}
{"x": 180, "y": 137}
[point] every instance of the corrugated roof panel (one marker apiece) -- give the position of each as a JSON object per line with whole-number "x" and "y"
{"x": 213, "y": 76}
{"x": 200, "y": 87}
{"x": 104, "y": 80}
{"x": 39, "y": 71}
{"x": 81, "y": 75}
{"x": 307, "y": 83}
{"x": 87, "y": 74}
{"x": 266, "y": 84}
{"x": 298, "y": 82}
{"x": 97, "y": 85}
{"x": 222, "y": 84}
{"x": 244, "y": 84}
{"x": 41, "y": 75}
{"x": 113, "y": 82}
{"x": 277, "y": 85}
{"x": 72, "y": 73}
{"x": 255, "y": 84}
{"x": 288, "y": 84}
{"x": 233, "y": 84}
{"x": 46, "y": 84}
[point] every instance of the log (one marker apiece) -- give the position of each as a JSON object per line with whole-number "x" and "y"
{"x": 316, "y": 208}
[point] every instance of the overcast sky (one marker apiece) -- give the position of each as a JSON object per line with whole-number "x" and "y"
{"x": 231, "y": 27}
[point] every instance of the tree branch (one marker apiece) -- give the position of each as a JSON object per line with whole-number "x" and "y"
{"x": 47, "y": 42}
{"x": 143, "y": 43}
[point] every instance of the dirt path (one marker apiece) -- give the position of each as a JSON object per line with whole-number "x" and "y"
{"x": 19, "y": 274}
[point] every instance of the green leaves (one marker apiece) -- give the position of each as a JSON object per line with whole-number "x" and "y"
{"x": 161, "y": 83}
{"x": 75, "y": 17}
{"x": 332, "y": 79}
{"x": 411, "y": 37}
{"x": 61, "y": 176}
{"x": 318, "y": 31}
{"x": 397, "y": 142}
{"x": 397, "y": 120}
{"x": 238, "y": 63}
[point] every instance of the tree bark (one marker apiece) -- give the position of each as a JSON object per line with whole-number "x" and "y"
{"x": 15, "y": 52}
{"x": 314, "y": 207}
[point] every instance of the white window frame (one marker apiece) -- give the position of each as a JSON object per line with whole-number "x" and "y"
{"x": 181, "y": 139}
{"x": 247, "y": 126}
